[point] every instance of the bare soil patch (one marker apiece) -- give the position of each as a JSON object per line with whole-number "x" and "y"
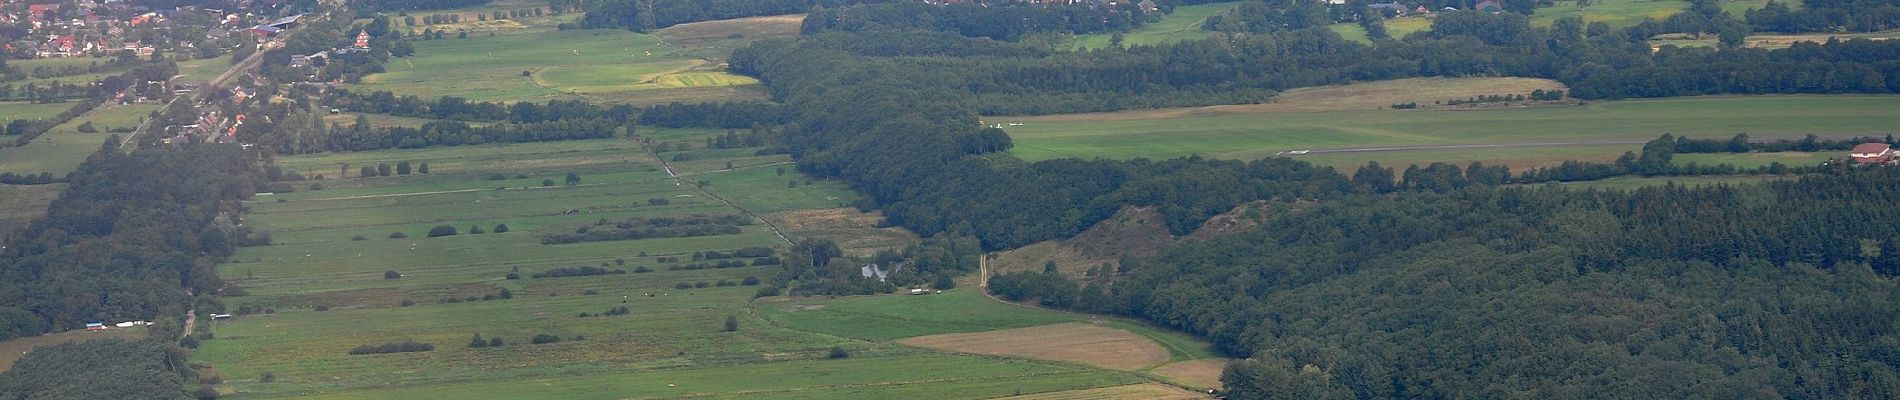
{"x": 1203, "y": 374}
{"x": 1144, "y": 391}
{"x": 1071, "y": 342}
{"x": 1356, "y": 96}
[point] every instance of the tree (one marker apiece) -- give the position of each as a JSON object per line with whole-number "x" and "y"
{"x": 392, "y": 274}
{"x": 1888, "y": 262}
{"x": 573, "y": 179}
{"x": 423, "y": 169}
{"x": 368, "y": 171}
{"x": 732, "y": 324}
{"x": 544, "y": 339}
{"x": 478, "y": 342}
{"x": 494, "y": 342}
{"x": 475, "y": 229}
{"x": 397, "y": 235}
{"x": 547, "y": 182}
{"x": 441, "y": 230}
{"x": 402, "y": 168}
{"x": 382, "y": 169}
{"x": 501, "y": 228}
{"x": 838, "y": 352}
{"x": 507, "y": 294}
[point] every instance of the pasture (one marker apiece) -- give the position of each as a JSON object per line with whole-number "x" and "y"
{"x": 12, "y": 110}
{"x": 547, "y": 65}
{"x": 1520, "y": 137}
{"x": 668, "y": 343}
{"x": 1184, "y": 24}
{"x": 63, "y": 148}
{"x": 1074, "y": 342}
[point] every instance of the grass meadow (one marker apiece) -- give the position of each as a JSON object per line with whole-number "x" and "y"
{"x": 1599, "y": 129}
{"x": 63, "y": 148}
{"x": 12, "y": 110}
{"x": 544, "y": 65}
{"x": 671, "y": 343}
{"x": 1182, "y": 25}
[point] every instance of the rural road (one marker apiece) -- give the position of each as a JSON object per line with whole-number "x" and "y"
{"x": 748, "y": 212}
{"x": 1462, "y": 146}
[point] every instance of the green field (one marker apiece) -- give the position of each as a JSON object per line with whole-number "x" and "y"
{"x": 1607, "y": 125}
{"x": 1617, "y": 13}
{"x": 1752, "y": 160}
{"x": 671, "y": 344}
{"x": 12, "y": 110}
{"x": 1183, "y": 24}
{"x": 62, "y": 149}
{"x": 204, "y": 69}
{"x": 557, "y": 64}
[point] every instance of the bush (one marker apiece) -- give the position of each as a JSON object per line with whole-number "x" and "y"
{"x": 316, "y": 186}
{"x": 514, "y": 275}
{"x": 732, "y": 324}
{"x": 407, "y": 302}
{"x": 494, "y": 342}
{"x": 659, "y": 202}
{"x": 205, "y": 393}
{"x": 397, "y": 235}
{"x": 701, "y": 284}
{"x": 477, "y": 342}
{"x": 589, "y": 292}
{"x": 501, "y": 228}
{"x": 544, "y": 338}
{"x": 358, "y": 238}
{"x": 766, "y": 291}
{"x": 441, "y": 230}
{"x": 507, "y": 294}
{"x": 409, "y": 346}
{"x": 475, "y": 230}
{"x": 188, "y": 342}
{"x": 642, "y": 269}
{"x": 392, "y": 274}
{"x": 267, "y": 377}
{"x": 839, "y": 352}
{"x": 547, "y": 182}
{"x": 750, "y": 281}
{"x": 683, "y": 285}
{"x": 320, "y": 307}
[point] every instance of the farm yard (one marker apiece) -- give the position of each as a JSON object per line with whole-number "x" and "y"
{"x": 538, "y": 66}
{"x": 653, "y": 330}
{"x": 1352, "y": 134}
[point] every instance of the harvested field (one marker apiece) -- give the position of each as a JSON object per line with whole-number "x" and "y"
{"x": 1071, "y": 342}
{"x": 700, "y": 33}
{"x": 1781, "y": 41}
{"x": 1145, "y": 391}
{"x": 1197, "y": 373}
{"x": 856, "y": 232}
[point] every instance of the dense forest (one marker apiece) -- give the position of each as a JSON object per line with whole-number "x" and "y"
{"x": 130, "y": 238}
{"x": 1670, "y": 292}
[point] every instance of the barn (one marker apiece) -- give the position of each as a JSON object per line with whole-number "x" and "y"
{"x": 1872, "y": 153}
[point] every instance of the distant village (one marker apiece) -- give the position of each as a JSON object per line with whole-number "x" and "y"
{"x": 89, "y": 28}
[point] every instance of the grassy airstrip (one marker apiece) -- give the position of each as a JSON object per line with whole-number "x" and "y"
{"x": 1605, "y": 124}
{"x": 671, "y": 344}
{"x": 544, "y": 65}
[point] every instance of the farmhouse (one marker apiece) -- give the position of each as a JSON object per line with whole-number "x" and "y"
{"x": 1872, "y": 153}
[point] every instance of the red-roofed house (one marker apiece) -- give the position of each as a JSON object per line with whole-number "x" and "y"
{"x": 1872, "y": 153}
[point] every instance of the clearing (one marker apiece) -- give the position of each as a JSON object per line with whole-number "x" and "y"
{"x": 63, "y": 148}
{"x": 20, "y": 204}
{"x": 12, "y": 110}
{"x": 1184, "y": 24}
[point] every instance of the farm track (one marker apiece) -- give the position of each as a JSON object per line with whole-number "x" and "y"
{"x": 748, "y": 212}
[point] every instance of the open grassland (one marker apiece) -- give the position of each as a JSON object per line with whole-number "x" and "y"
{"x": 382, "y": 120}
{"x": 20, "y": 204}
{"x": 1617, "y": 13}
{"x": 1183, "y": 24}
{"x": 546, "y": 65}
{"x": 12, "y": 110}
{"x": 1579, "y": 131}
{"x": 12, "y": 350}
{"x": 714, "y": 40}
{"x": 1630, "y": 182}
{"x": 1069, "y": 342}
{"x": 203, "y": 69}
{"x": 1782, "y": 41}
{"x": 669, "y": 344}
{"x": 62, "y": 149}
{"x": 471, "y": 18}
{"x": 1752, "y": 160}
{"x": 855, "y": 232}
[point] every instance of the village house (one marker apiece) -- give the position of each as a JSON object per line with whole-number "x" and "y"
{"x": 1872, "y": 153}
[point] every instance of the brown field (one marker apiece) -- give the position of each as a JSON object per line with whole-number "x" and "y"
{"x": 1356, "y": 96}
{"x": 1071, "y": 342}
{"x": 714, "y": 40}
{"x": 12, "y": 350}
{"x": 855, "y": 232}
{"x": 682, "y": 95}
{"x": 1144, "y": 391}
{"x": 20, "y": 204}
{"x": 1203, "y": 374}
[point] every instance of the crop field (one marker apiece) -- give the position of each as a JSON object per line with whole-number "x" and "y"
{"x": 62, "y": 149}
{"x": 1183, "y": 24}
{"x": 12, "y": 110}
{"x": 1070, "y": 342}
{"x": 545, "y": 65}
{"x": 1145, "y": 391}
{"x": 1521, "y": 137}
{"x": 714, "y": 40}
{"x": 668, "y": 343}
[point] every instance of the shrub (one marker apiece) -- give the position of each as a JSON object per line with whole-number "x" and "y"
{"x": 358, "y": 238}
{"x": 839, "y": 352}
{"x": 701, "y": 284}
{"x": 409, "y": 346}
{"x": 750, "y": 281}
{"x": 316, "y": 186}
{"x": 441, "y": 230}
{"x": 589, "y": 292}
{"x": 514, "y": 275}
{"x": 188, "y": 342}
{"x": 732, "y": 324}
{"x": 766, "y": 291}
{"x": 945, "y": 282}
{"x": 477, "y": 342}
{"x": 507, "y": 294}
{"x": 642, "y": 269}
{"x": 659, "y": 202}
{"x": 725, "y": 283}
{"x": 475, "y": 230}
{"x": 488, "y": 297}
{"x": 392, "y": 274}
{"x": 547, "y": 182}
{"x": 397, "y": 235}
{"x": 494, "y": 342}
{"x": 205, "y": 393}
{"x": 424, "y": 168}
{"x": 267, "y": 377}
{"x": 683, "y": 285}
{"x": 211, "y": 379}
{"x": 321, "y": 307}
{"x": 544, "y": 338}
{"x": 407, "y": 302}
{"x": 501, "y": 228}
